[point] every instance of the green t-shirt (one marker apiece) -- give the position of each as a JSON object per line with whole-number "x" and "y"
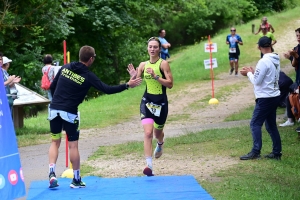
{"x": 269, "y": 35}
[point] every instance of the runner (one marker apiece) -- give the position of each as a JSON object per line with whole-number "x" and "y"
{"x": 234, "y": 40}
{"x": 154, "y": 103}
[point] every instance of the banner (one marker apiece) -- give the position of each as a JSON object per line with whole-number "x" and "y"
{"x": 12, "y": 184}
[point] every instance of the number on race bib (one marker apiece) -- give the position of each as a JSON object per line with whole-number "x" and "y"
{"x": 154, "y": 109}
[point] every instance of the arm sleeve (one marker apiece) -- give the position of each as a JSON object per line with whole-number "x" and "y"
{"x": 107, "y": 89}
{"x": 259, "y": 74}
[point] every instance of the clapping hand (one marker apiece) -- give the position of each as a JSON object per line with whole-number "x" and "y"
{"x": 294, "y": 54}
{"x": 17, "y": 79}
{"x": 245, "y": 70}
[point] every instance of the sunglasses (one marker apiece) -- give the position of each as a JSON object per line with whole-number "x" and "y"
{"x": 153, "y": 38}
{"x": 233, "y": 30}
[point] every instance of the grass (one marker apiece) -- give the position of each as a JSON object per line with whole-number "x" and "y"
{"x": 260, "y": 179}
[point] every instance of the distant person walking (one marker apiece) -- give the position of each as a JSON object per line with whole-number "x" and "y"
{"x": 266, "y": 89}
{"x": 154, "y": 103}
{"x": 234, "y": 40}
{"x": 50, "y": 69}
{"x": 268, "y": 26}
{"x": 165, "y": 45}
{"x": 69, "y": 89}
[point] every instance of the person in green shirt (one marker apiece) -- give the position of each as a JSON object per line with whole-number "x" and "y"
{"x": 265, "y": 32}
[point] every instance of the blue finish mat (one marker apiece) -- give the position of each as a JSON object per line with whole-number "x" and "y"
{"x": 132, "y": 188}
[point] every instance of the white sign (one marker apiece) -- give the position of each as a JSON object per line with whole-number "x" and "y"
{"x": 210, "y": 47}
{"x": 207, "y": 63}
{"x": 27, "y": 96}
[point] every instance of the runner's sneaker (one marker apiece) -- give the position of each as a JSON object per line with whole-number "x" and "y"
{"x": 77, "y": 183}
{"x": 52, "y": 180}
{"x": 158, "y": 151}
{"x": 148, "y": 171}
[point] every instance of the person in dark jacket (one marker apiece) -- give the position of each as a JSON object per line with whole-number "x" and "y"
{"x": 284, "y": 86}
{"x": 68, "y": 89}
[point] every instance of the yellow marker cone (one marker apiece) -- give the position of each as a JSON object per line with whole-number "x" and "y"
{"x": 68, "y": 173}
{"x": 213, "y": 101}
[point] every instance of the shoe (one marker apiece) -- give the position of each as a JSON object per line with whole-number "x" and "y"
{"x": 52, "y": 180}
{"x": 250, "y": 156}
{"x": 148, "y": 171}
{"x": 231, "y": 71}
{"x": 77, "y": 183}
{"x": 287, "y": 123}
{"x": 158, "y": 150}
{"x": 273, "y": 156}
{"x": 236, "y": 74}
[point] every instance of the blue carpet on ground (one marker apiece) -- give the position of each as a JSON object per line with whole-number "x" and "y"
{"x": 148, "y": 188}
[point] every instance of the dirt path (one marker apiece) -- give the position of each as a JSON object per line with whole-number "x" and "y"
{"x": 197, "y": 117}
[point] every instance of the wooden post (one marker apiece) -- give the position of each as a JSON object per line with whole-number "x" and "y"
{"x": 253, "y": 28}
{"x": 18, "y": 114}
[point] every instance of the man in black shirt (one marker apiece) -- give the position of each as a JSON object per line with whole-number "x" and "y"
{"x": 68, "y": 89}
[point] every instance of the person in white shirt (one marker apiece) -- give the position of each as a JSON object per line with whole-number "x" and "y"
{"x": 266, "y": 89}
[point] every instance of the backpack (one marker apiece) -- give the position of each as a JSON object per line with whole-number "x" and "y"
{"x": 45, "y": 82}
{"x": 295, "y": 105}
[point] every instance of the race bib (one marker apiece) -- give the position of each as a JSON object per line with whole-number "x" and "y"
{"x": 232, "y": 50}
{"x": 154, "y": 109}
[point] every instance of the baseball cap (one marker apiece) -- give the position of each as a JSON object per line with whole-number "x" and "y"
{"x": 264, "y": 42}
{"x": 6, "y": 60}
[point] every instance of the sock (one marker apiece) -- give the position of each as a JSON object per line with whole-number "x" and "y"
{"x": 51, "y": 167}
{"x": 76, "y": 174}
{"x": 149, "y": 161}
{"x": 160, "y": 143}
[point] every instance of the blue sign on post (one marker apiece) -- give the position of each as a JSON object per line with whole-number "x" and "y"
{"x": 12, "y": 184}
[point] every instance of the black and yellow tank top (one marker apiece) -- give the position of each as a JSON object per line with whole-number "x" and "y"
{"x": 154, "y": 90}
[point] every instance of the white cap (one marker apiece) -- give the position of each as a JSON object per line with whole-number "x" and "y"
{"x": 6, "y": 60}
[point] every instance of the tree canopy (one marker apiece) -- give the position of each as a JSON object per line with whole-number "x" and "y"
{"x": 118, "y": 30}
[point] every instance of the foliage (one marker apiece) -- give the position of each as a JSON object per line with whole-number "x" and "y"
{"x": 118, "y": 30}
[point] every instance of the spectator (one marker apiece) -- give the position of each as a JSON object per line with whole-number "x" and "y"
{"x": 69, "y": 89}
{"x": 266, "y": 89}
{"x": 264, "y": 22}
{"x": 233, "y": 40}
{"x": 164, "y": 52}
{"x": 50, "y": 69}
{"x": 9, "y": 81}
{"x": 284, "y": 86}
{"x": 293, "y": 56}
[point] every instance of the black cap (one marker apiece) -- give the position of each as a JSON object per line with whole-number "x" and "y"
{"x": 264, "y": 42}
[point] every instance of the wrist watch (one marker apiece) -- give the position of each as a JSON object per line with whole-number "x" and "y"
{"x": 156, "y": 77}
{"x": 127, "y": 86}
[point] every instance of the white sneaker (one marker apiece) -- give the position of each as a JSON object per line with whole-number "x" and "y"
{"x": 158, "y": 151}
{"x": 287, "y": 123}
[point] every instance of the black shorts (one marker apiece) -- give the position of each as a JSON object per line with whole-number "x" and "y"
{"x": 58, "y": 124}
{"x": 233, "y": 56}
{"x": 145, "y": 112}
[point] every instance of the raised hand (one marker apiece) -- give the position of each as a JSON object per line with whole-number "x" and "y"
{"x": 131, "y": 70}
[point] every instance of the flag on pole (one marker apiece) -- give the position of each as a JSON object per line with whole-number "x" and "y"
{"x": 12, "y": 184}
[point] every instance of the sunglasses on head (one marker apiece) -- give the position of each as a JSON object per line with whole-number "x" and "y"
{"x": 153, "y": 38}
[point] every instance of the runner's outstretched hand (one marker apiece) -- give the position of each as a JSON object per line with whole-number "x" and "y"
{"x": 131, "y": 70}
